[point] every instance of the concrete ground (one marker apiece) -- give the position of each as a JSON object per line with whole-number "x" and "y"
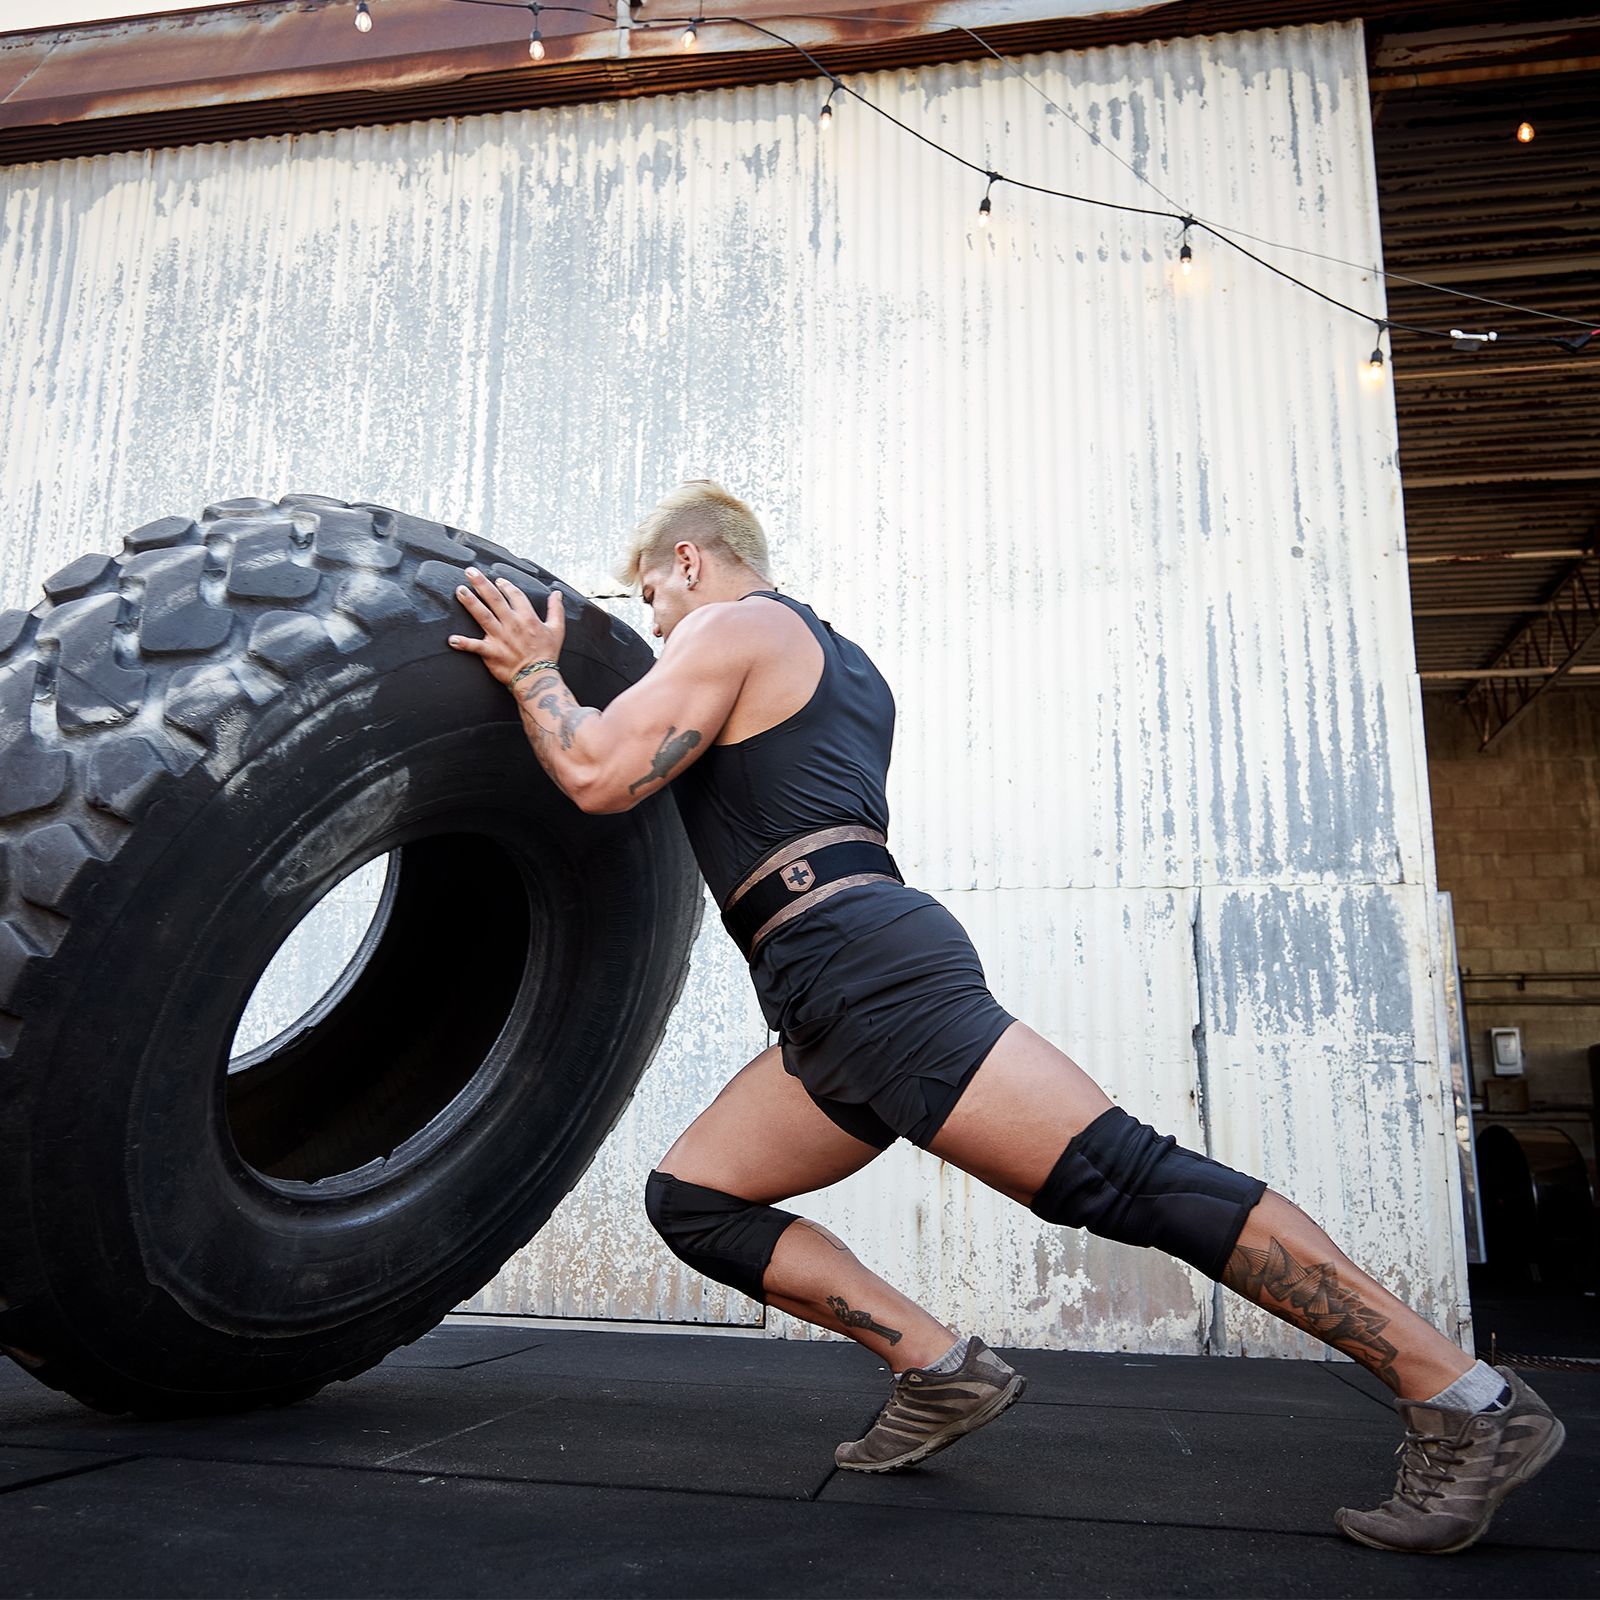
{"x": 503, "y": 1460}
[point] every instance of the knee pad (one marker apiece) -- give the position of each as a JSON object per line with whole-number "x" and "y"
{"x": 719, "y": 1235}
{"x": 1122, "y": 1180}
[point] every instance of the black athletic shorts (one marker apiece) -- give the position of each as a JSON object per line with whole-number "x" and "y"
{"x": 894, "y": 1022}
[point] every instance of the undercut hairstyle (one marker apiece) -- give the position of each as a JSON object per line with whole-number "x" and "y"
{"x": 704, "y": 513}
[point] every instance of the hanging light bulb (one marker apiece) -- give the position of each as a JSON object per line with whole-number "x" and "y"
{"x": 363, "y": 17}
{"x": 1524, "y": 133}
{"x": 691, "y": 35}
{"x": 825, "y": 115}
{"x": 985, "y": 205}
{"x": 1186, "y": 259}
{"x": 1373, "y": 371}
{"x": 536, "y": 39}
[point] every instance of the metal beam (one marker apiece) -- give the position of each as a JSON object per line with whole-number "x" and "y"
{"x": 1470, "y": 558}
{"x": 1448, "y": 77}
{"x": 1431, "y": 374}
{"x": 1543, "y": 652}
{"x": 1471, "y": 480}
{"x": 1445, "y": 680}
{"x": 1485, "y": 674}
{"x": 1478, "y": 270}
{"x": 1478, "y": 611}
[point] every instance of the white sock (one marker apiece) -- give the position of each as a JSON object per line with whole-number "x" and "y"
{"x": 951, "y": 1360}
{"x": 1477, "y": 1389}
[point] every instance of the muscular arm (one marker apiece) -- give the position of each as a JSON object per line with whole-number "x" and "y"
{"x": 610, "y": 760}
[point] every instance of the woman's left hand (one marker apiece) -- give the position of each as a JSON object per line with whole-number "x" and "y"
{"x": 513, "y": 635}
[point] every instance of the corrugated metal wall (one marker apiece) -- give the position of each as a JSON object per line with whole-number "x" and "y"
{"x": 1129, "y": 546}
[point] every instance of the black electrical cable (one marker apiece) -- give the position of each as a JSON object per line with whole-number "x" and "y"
{"x": 1417, "y": 283}
{"x": 1113, "y": 205}
{"x": 526, "y": 5}
{"x": 1574, "y": 344}
{"x": 1218, "y": 228}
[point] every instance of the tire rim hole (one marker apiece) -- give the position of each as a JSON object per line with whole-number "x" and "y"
{"x": 391, "y": 1046}
{"x": 335, "y": 936}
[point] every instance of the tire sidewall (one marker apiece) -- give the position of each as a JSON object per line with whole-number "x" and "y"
{"x": 140, "y": 1212}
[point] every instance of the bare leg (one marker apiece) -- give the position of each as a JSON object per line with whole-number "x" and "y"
{"x": 1027, "y": 1101}
{"x": 1285, "y": 1262}
{"x": 763, "y": 1140}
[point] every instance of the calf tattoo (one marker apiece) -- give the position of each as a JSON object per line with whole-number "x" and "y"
{"x": 673, "y": 749}
{"x": 1311, "y": 1297}
{"x": 849, "y": 1318}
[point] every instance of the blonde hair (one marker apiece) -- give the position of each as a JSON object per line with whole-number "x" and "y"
{"x": 707, "y": 515}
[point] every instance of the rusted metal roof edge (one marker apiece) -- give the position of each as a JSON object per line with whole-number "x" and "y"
{"x": 206, "y": 116}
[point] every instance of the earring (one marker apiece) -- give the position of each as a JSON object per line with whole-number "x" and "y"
{"x": 693, "y": 580}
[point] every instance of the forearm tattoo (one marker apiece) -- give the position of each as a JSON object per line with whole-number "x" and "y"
{"x": 673, "y": 749}
{"x": 552, "y": 716}
{"x": 849, "y": 1318}
{"x": 1311, "y": 1297}
{"x": 566, "y": 713}
{"x": 551, "y": 713}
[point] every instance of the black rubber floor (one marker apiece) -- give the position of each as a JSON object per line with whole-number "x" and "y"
{"x": 487, "y": 1460}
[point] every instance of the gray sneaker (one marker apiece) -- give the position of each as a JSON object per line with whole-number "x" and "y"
{"x": 1455, "y": 1469}
{"x": 930, "y": 1410}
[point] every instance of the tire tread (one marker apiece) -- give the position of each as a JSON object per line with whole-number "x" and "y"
{"x": 114, "y": 686}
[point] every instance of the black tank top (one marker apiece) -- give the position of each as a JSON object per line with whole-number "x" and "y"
{"x": 823, "y": 766}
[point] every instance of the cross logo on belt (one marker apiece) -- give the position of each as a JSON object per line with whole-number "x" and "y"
{"x": 798, "y": 877}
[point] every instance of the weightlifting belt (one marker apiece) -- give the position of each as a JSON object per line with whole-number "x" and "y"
{"x": 801, "y": 874}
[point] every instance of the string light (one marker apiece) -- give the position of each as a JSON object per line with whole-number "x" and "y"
{"x": 1009, "y": 66}
{"x": 1373, "y": 371}
{"x": 536, "y": 39}
{"x": 1459, "y": 339}
{"x": 985, "y": 206}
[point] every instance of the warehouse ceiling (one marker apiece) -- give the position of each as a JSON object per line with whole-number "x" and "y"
{"x": 1498, "y": 450}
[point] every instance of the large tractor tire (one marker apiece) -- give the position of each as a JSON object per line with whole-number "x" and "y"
{"x": 199, "y": 737}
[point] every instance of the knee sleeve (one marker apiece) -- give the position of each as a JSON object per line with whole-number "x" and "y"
{"x": 1120, "y": 1179}
{"x": 719, "y": 1235}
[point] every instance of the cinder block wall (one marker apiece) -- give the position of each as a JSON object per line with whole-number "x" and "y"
{"x": 1517, "y": 832}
